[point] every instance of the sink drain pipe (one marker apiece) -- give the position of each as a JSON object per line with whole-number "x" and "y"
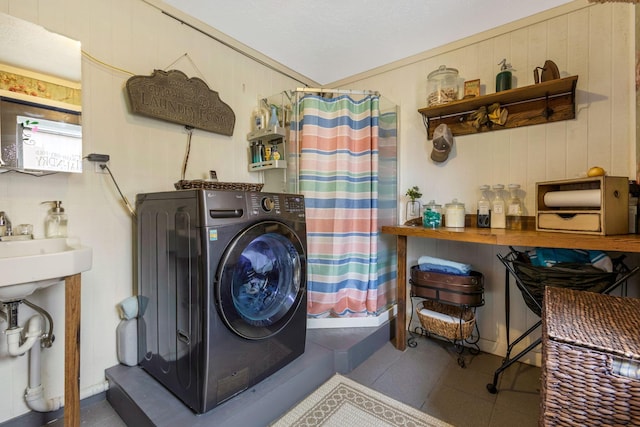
{"x": 14, "y": 336}
{"x": 34, "y": 394}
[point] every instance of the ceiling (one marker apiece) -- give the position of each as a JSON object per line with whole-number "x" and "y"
{"x": 330, "y": 40}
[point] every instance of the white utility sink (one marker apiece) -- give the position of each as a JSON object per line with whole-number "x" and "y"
{"x": 28, "y": 265}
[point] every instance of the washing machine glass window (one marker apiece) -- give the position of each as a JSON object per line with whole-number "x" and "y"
{"x": 262, "y": 280}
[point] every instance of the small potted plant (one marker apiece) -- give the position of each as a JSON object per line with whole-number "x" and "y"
{"x": 413, "y": 206}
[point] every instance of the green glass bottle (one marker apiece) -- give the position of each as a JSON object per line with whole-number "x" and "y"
{"x": 503, "y": 78}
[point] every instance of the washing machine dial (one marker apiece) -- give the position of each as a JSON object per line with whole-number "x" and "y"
{"x": 268, "y": 204}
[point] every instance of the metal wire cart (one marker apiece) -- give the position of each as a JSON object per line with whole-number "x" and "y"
{"x": 446, "y": 308}
{"x": 532, "y": 280}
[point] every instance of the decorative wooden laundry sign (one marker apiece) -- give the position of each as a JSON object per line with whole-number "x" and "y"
{"x": 173, "y": 97}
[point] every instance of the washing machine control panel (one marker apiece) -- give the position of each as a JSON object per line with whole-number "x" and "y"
{"x": 261, "y": 203}
{"x": 286, "y": 205}
{"x": 294, "y": 204}
{"x": 268, "y": 204}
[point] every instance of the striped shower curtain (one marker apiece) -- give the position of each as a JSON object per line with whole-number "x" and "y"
{"x": 338, "y": 175}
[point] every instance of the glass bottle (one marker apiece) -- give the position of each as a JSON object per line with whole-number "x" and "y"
{"x": 514, "y": 208}
{"x": 413, "y": 209}
{"x": 498, "y": 217}
{"x": 56, "y": 222}
{"x": 484, "y": 208}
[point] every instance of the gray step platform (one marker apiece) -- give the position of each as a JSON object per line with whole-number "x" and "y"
{"x": 141, "y": 401}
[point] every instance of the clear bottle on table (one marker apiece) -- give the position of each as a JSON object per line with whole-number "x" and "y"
{"x": 484, "y": 208}
{"x": 514, "y": 208}
{"x": 498, "y": 208}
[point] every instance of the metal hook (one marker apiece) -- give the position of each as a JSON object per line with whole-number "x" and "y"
{"x": 548, "y": 111}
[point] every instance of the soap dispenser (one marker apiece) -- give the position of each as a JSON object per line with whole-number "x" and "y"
{"x": 55, "y": 224}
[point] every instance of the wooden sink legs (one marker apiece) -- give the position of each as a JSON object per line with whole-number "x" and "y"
{"x": 72, "y": 351}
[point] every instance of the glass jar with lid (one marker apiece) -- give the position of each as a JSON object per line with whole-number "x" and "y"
{"x": 432, "y": 215}
{"x": 442, "y": 86}
{"x": 454, "y": 214}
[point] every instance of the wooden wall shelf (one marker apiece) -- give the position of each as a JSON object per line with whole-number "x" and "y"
{"x": 545, "y": 102}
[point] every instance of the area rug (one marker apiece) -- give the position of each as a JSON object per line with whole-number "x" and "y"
{"x": 342, "y": 402}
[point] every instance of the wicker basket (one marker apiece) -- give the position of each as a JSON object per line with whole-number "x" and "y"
{"x": 212, "y": 185}
{"x": 449, "y": 330}
{"x": 590, "y": 359}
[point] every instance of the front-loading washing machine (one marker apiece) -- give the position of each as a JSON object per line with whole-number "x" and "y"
{"x": 222, "y": 289}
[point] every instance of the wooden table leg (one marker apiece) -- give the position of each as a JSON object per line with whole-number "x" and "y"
{"x": 401, "y": 294}
{"x": 72, "y": 352}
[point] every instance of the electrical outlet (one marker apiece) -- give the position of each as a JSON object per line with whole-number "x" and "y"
{"x": 98, "y": 167}
{"x": 98, "y": 160}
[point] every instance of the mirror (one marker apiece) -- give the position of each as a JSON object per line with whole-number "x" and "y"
{"x": 40, "y": 99}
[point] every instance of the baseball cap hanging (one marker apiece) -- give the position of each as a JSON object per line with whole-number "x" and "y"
{"x": 442, "y": 143}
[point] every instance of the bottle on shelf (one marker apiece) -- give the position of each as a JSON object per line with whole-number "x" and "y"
{"x": 484, "y": 208}
{"x": 261, "y": 152}
{"x": 498, "y": 217}
{"x": 255, "y": 152}
{"x": 273, "y": 121}
{"x": 257, "y": 120}
{"x": 504, "y": 77}
{"x": 275, "y": 155}
{"x": 514, "y": 209}
{"x": 260, "y": 117}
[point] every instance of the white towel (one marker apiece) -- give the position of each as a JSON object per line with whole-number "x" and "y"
{"x": 440, "y": 316}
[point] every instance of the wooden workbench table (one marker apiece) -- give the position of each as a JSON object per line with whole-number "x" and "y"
{"x": 499, "y": 237}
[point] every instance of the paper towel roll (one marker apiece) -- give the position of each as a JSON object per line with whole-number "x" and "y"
{"x": 573, "y": 199}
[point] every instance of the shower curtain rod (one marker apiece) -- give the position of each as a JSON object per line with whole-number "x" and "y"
{"x": 339, "y": 91}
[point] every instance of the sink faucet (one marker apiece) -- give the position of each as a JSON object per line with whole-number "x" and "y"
{"x": 5, "y": 225}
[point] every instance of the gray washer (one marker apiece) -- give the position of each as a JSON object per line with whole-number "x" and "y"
{"x": 222, "y": 278}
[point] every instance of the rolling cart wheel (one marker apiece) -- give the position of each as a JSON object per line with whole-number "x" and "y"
{"x": 461, "y": 362}
{"x": 411, "y": 342}
{"x": 492, "y": 388}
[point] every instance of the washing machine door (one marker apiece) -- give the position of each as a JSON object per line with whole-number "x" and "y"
{"x": 262, "y": 280}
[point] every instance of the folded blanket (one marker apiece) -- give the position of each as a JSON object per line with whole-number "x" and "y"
{"x": 439, "y": 265}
